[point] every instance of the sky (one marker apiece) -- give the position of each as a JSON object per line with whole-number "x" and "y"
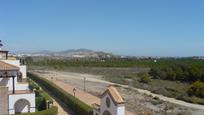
{"x": 126, "y": 27}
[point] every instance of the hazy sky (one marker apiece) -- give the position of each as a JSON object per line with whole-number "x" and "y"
{"x": 130, "y": 27}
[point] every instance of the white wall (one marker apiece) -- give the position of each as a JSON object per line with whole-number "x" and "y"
{"x": 22, "y": 87}
{"x": 112, "y": 109}
{"x": 23, "y": 71}
{"x": 10, "y": 83}
{"x": 14, "y": 98}
{"x": 121, "y": 110}
{"x": 18, "y": 86}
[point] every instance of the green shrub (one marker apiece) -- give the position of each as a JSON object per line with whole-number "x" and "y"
{"x": 40, "y": 103}
{"x": 41, "y": 93}
{"x": 33, "y": 85}
{"x": 144, "y": 78}
{"x": 197, "y": 89}
{"x": 41, "y": 96}
{"x": 79, "y": 107}
{"x": 51, "y": 111}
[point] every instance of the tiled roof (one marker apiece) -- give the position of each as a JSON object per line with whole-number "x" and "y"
{"x": 117, "y": 98}
{"x": 7, "y": 67}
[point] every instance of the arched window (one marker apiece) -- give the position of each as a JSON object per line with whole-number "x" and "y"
{"x": 108, "y": 102}
{"x": 22, "y": 106}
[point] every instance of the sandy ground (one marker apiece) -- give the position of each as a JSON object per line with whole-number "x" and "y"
{"x": 138, "y": 101}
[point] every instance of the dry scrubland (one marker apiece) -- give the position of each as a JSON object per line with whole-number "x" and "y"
{"x": 96, "y": 83}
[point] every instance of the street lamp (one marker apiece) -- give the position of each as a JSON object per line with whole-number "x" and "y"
{"x": 74, "y": 91}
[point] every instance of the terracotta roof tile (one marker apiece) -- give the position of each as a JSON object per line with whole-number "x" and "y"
{"x": 5, "y": 66}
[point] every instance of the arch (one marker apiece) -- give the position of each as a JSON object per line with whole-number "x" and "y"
{"x": 22, "y": 106}
{"x": 106, "y": 113}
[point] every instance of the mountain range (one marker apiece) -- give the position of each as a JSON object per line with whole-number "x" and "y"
{"x": 72, "y": 53}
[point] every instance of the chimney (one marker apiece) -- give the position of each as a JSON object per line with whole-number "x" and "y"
{"x": 1, "y": 45}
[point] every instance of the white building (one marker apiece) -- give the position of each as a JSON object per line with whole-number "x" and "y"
{"x": 15, "y": 95}
{"x": 111, "y": 103}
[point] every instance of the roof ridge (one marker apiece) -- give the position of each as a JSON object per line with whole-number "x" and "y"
{"x": 114, "y": 94}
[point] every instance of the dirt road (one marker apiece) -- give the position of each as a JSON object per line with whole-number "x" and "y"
{"x": 73, "y": 77}
{"x": 164, "y": 98}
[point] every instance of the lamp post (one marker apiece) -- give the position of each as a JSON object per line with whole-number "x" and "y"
{"x": 74, "y": 91}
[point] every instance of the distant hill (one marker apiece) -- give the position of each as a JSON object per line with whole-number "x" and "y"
{"x": 72, "y": 53}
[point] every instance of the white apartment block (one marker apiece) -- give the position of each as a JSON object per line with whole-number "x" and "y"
{"x": 15, "y": 95}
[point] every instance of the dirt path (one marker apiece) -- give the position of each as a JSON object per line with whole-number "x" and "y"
{"x": 62, "y": 108}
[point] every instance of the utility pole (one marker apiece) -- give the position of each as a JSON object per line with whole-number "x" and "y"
{"x": 84, "y": 84}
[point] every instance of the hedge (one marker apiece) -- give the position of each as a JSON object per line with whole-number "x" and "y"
{"x": 79, "y": 107}
{"x": 51, "y": 111}
{"x": 41, "y": 97}
{"x": 40, "y": 103}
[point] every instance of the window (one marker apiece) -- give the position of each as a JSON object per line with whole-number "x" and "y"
{"x": 108, "y": 103}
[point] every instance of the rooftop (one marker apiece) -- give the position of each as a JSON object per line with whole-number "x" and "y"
{"x": 7, "y": 67}
{"x": 112, "y": 91}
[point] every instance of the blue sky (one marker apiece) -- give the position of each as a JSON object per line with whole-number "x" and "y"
{"x": 129, "y": 27}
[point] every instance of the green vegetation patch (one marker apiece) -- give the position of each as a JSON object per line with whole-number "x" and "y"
{"x": 41, "y": 97}
{"x": 197, "y": 89}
